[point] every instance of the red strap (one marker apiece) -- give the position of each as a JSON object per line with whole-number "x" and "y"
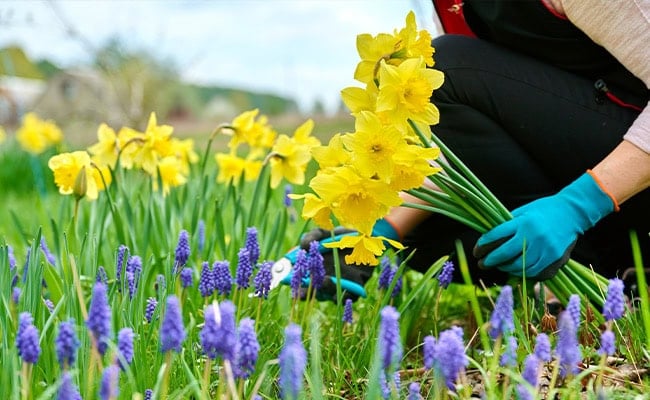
{"x": 621, "y": 103}
{"x": 451, "y": 17}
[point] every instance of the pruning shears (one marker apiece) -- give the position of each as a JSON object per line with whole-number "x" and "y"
{"x": 282, "y": 272}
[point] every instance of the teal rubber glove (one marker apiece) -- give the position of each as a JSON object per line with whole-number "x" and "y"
{"x": 541, "y": 235}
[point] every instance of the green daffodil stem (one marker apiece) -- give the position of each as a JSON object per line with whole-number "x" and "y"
{"x": 25, "y": 373}
{"x": 206, "y": 379}
{"x": 165, "y": 383}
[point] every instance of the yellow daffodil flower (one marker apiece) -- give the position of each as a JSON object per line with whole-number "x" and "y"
{"x": 365, "y": 249}
{"x": 242, "y": 125}
{"x": 315, "y": 209}
{"x": 405, "y": 91}
{"x": 416, "y": 44}
{"x": 302, "y": 135}
{"x": 230, "y": 166}
{"x": 184, "y": 151}
{"x": 171, "y": 173}
{"x": 373, "y": 146}
{"x": 106, "y": 150}
{"x": 129, "y": 142}
{"x": 332, "y": 155}
{"x": 288, "y": 160}
{"x": 412, "y": 165}
{"x": 74, "y": 173}
{"x": 36, "y": 135}
{"x": 372, "y": 49}
{"x": 355, "y": 201}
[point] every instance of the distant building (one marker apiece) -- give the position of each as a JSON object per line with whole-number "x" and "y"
{"x": 21, "y": 83}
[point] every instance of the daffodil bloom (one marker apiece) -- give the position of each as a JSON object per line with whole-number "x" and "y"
{"x": 252, "y": 169}
{"x": 406, "y": 90}
{"x": 288, "y": 160}
{"x": 302, "y": 134}
{"x": 184, "y": 151}
{"x": 129, "y": 142}
{"x": 241, "y": 127}
{"x": 416, "y": 44}
{"x": 372, "y": 50}
{"x": 365, "y": 249}
{"x": 230, "y": 166}
{"x": 106, "y": 150}
{"x": 157, "y": 145}
{"x": 373, "y": 146}
{"x": 171, "y": 173}
{"x": 332, "y": 155}
{"x": 36, "y": 135}
{"x": 74, "y": 173}
{"x": 315, "y": 209}
{"x": 412, "y": 165}
{"x": 355, "y": 200}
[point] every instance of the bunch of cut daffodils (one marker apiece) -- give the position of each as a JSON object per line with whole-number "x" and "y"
{"x": 393, "y": 150}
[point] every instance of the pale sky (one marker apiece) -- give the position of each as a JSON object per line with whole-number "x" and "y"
{"x": 304, "y": 49}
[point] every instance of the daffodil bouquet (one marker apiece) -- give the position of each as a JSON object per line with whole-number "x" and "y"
{"x": 393, "y": 150}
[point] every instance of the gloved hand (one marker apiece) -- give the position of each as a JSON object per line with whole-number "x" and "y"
{"x": 540, "y": 237}
{"x": 356, "y": 273}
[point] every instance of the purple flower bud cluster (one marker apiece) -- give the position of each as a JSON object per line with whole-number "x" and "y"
{"x": 293, "y": 361}
{"x": 200, "y": 234}
{"x": 252, "y": 245}
{"x": 607, "y": 343}
{"x": 414, "y": 391}
{"x": 446, "y": 274}
{"x": 385, "y": 384}
{"x": 509, "y": 356}
{"x": 567, "y": 348}
{"x": 262, "y": 280}
{"x": 11, "y": 257}
{"x": 148, "y": 394}
{"x": 288, "y": 189}
{"x": 132, "y": 273}
{"x": 150, "y": 308}
{"x": 99, "y": 317}
{"x": 614, "y": 306}
{"x": 530, "y": 375}
{"x": 502, "y": 320}
{"x": 66, "y": 344}
{"x": 389, "y": 339}
{"x": 387, "y": 275}
{"x": 68, "y": 390}
{"x": 206, "y": 280}
{"x": 122, "y": 253}
{"x": 573, "y": 308}
{"x": 222, "y": 277}
{"x": 187, "y": 277}
{"x": 49, "y": 305}
{"x": 49, "y": 257}
{"x": 347, "y": 311}
{"x": 27, "y": 339}
{"x": 247, "y": 349}
{"x": 244, "y": 269}
{"x": 446, "y": 354}
{"x": 15, "y": 294}
{"x": 125, "y": 347}
{"x": 172, "y": 331}
{"x": 109, "y": 386}
{"x": 315, "y": 265}
{"x": 543, "y": 347}
{"x": 182, "y": 250}
{"x": 219, "y": 334}
{"x": 101, "y": 275}
{"x": 161, "y": 284}
{"x": 299, "y": 272}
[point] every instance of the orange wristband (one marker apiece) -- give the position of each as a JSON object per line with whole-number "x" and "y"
{"x": 604, "y": 189}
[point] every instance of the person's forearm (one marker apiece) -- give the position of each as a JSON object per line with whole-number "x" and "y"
{"x": 624, "y": 172}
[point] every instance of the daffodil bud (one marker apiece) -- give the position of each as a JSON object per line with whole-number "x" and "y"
{"x": 80, "y": 184}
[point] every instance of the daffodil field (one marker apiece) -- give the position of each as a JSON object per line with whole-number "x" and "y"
{"x": 149, "y": 274}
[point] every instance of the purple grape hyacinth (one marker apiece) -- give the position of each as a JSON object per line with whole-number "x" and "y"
{"x": 109, "y": 387}
{"x": 446, "y": 274}
{"x": 347, "y": 311}
{"x": 244, "y": 269}
{"x": 607, "y": 343}
{"x": 262, "y": 280}
{"x": 148, "y": 394}
{"x": 414, "y": 391}
{"x": 509, "y": 356}
{"x": 172, "y": 332}
{"x": 187, "y": 277}
{"x": 200, "y": 234}
{"x": 99, "y": 317}
{"x": 450, "y": 356}
{"x": 101, "y": 275}
{"x": 573, "y": 307}
{"x": 293, "y": 360}
{"x": 119, "y": 263}
{"x": 252, "y": 245}
{"x": 66, "y": 344}
{"x": 222, "y": 277}
{"x": 247, "y": 349}
{"x": 12, "y": 258}
{"x": 429, "y": 351}
{"x": 315, "y": 265}
{"x": 150, "y": 308}
{"x": 389, "y": 339}
{"x": 530, "y": 375}
{"x": 299, "y": 272}
{"x": 614, "y": 306}
{"x": 543, "y": 347}
{"x": 206, "y": 280}
{"x": 15, "y": 294}
{"x": 125, "y": 347}
{"x": 67, "y": 390}
{"x": 567, "y": 348}
{"x": 182, "y": 253}
{"x": 27, "y": 339}
{"x": 46, "y": 251}
{"x": 501, "y": 320}
{"x": 219, "y": 334}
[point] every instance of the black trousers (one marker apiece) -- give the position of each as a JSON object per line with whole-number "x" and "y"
{"x": 526, "y": 129}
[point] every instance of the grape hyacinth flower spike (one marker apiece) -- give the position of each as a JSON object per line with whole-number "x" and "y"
{"x": 125, "y": 347}
{"x": 389, "y": 339}
{"x": 252, "y": 245}
{"x": 501, "y": 320}
{"x": 293, "y": 361}
{"x": 27, "y": 339}
{"x": 172, "y": 332}
{"x": 567, "y": 347}
{"x": 247, "y": 349}
{"x": 244, "y": 269}
{"x": 446, "y": 274}
{"x": 614, "y": 306}
{"x": 221, "y": 277}
{"x": 66, "y": 344}
{"x": 187, "y": 277}
{"x": 99, "y": 317}
{"x": 67, "y": 390}
{"x": 262, "y": 280}
{"x": 182, "y": 253}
